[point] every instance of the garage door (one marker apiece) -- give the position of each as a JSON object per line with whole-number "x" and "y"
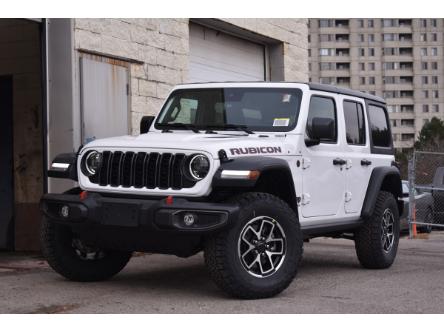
{"x": 216, "y": 56}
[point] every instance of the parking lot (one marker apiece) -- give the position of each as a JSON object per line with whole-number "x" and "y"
{"x": 330, "y": 280}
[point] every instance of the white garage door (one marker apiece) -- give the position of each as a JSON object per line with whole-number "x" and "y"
{"x": 216, "y": 56}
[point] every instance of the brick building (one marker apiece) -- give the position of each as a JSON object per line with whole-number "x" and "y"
{"x": 65, "y": 82}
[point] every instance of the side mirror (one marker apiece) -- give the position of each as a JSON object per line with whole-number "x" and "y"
{"x": 321, "y": 129}
{"x": 145, "y": 124}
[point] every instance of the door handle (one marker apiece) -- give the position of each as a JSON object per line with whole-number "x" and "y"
{"x": 365, "y": 162}
{"x": 339, "y": 161}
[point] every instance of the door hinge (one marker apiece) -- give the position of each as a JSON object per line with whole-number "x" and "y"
{"x": 348, "y": 196}
{"x": 306, "y": 162}
{"x": 305, "y": 199}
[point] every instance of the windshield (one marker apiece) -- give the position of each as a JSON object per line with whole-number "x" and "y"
{"x": 255, "y": 109}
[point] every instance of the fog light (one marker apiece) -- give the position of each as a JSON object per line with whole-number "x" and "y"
{"x": 64, "y": 211}
{"x": 189, "y": 219}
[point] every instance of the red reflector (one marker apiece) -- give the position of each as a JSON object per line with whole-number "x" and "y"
{"x": 169, "y": 200}
{"x": 83, "y": 195}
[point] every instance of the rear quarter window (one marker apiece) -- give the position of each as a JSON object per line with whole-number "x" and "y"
{"x": 379, "y": 126}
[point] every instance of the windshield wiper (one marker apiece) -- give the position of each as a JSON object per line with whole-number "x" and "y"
{"x": 189, "y": 127}
{"x": 238, "y": 128}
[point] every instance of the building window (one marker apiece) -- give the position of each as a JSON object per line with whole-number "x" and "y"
{"x": 362, "y": 66}
{"x": 362, "y": 80}
{"x": 388, "y": 23}
{"x": 407, "y": 136}
{"x": 371, "y": 38}
{"x": 371, "y": 52}
{"x": 423, "y": 51}
{"x": 388, "y": 37}
{"x": 434, "y": 37}
{"x": 309, "y": 52}
{"x": 434, "y": 23}
{"x": 371, "y": 80}
{"x": 326, "y": 52}
{"x": 434, "y": 65}
{"x": 325, "y": 66}
{"x": 435, "y": 108}
{"x": 326, "y": 80}
{"x": 408, "y": 122}
{"x": 435, "y": 94}
{"x": 325, "y": 23}
{"x": 434, "y": 51}
{"x": 389, "y": 65}
{"x": 361, "y": 38}
{"x": 388, "y": 79}
{"x": 388, "y": 51}
{"x": 361, "y": 23}
{"x": 424, "y": 79}
{"x": 423, "y": 37}
{"x": 371, "y": 66}
{"x": 389, "y": 94}
{"x": 326, "y": 37}
{"x": 362, "y": 52}
{"x": 424, "y": 65}
{"x": 425, "y": 94}
{"x": 370, "y": 23}
{"x": 434, "y": 80}
{"x": 425, "y": 108}
{"x": 423, "y": 23}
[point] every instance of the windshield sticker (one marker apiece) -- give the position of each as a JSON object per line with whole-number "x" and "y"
{"x": 286, "y": 98}
{"x": 281, "y": 122}
{"x": 255, "y": 150}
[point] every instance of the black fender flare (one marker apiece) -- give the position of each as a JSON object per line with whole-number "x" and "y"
{"x": 70, "y": 172}
{"x": 377, "y": 178}
{"x": 258, "y": 163}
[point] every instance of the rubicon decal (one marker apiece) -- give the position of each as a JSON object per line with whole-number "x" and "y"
{"x": 255, "y": 150}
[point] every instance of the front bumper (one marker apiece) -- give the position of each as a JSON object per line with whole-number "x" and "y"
{"x": 98, "y": 211}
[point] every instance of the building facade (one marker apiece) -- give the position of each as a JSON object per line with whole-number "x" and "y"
{"x": 65, "y": 82}
{"x": 401, "y": 60}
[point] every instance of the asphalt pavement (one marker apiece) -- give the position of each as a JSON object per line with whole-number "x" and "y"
{"x": 330, "y": 280}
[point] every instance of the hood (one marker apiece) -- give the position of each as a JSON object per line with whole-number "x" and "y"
{"x": 234, "y": 143}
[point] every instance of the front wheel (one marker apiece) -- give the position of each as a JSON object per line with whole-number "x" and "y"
{"x": 258, "y": 257}
{"x": 376, "y": 241}
{"x": 69, "y": 256}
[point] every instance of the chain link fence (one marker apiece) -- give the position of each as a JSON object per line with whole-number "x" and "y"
{"x": 425, "y": 191}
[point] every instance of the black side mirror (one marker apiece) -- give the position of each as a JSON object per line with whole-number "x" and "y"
{"x": 321, "y": 129}
{"x": 145, "y": 124}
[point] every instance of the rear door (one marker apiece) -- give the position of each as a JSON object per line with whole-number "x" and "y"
{"x": 358, "y": 165}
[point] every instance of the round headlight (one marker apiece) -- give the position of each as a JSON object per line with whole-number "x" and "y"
{"x": 93, "y": 161}
{"x": 199, "y": 166}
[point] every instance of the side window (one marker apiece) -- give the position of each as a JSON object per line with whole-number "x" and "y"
{"x": 354, "y": 123}
{"x": 322, "y": 109}
{"x": 379, "y": 126}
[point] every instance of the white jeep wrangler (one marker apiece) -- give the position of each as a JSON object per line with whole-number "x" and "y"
{"x": 243, "y": 171}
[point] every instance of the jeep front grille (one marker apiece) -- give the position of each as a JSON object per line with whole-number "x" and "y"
{"x": 149, "y": 170}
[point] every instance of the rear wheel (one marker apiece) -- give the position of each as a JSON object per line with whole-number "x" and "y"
{"x": 428, "y": 219}
{"x": 259, "y": 255}
{"x": 376, "y": 242}
{"x": 69, "y": 256}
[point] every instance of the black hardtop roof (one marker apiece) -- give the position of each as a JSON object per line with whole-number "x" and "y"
{"x": 344, "y": 91}
{"x": 312, "y": 86}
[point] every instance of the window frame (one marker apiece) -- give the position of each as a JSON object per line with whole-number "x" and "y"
{"x": 365, "y": 122}
{"x": 336, "y": 118}
{"x": 378, "y": 149}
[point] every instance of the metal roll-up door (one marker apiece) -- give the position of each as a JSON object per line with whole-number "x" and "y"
{"x": 216, "y": 56}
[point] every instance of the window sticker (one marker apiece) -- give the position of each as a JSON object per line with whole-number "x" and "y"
{"x": 286, "y": 98}
{"x": 281, "y": 122}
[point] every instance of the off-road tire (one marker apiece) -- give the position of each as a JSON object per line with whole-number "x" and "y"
{"x": 368, "y": 239}
{"x": 56, "y": 242}
{"x": 223, "y": 260}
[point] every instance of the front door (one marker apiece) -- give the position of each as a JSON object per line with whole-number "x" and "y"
{"x": 323, "y": 179}
{"x": 6, "y": 182}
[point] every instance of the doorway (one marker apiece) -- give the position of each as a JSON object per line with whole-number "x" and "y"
{"x": 6, "y": 164}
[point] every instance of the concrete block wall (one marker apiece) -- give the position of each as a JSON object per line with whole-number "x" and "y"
{"x": 159, "y": 49}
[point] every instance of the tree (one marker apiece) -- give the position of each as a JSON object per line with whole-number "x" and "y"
{"x": 431, "y": 137}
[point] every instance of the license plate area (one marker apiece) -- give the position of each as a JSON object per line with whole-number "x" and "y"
{"x": 120, "y": 214}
